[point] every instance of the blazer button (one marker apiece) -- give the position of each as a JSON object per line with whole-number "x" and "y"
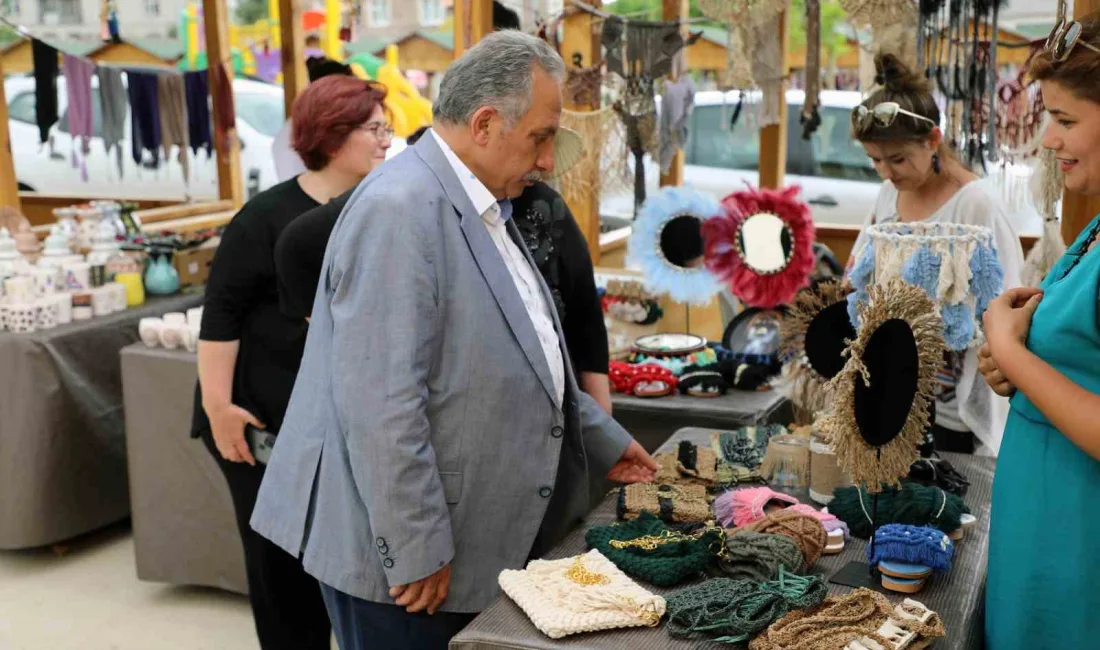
{"x": 557, "y": 432}
{"x": 545, "y": 492}
{"x": 384, "y": 550}
{"x": 381, "y": 542}
{"x": 388, "y": 563}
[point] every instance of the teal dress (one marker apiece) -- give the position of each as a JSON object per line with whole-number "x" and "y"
{"x": 1043, "y": 588}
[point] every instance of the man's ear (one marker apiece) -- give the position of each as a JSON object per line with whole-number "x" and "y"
{"x": 481, "y": 124}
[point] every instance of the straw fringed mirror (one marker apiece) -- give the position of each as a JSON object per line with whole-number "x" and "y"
{"x": 816, "y": 331}
{"x": 882, "y": 396}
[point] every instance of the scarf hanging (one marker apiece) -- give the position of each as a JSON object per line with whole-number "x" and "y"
{"x": 144, "y": 115}
{"x": 197, "y": 91}
{"x": 112, "y": 100}
{"x": 78, "y": 87}
{"x": 677, "y": 102}
{"x": 44, "y": 57}
{"x": 173, "y": 118}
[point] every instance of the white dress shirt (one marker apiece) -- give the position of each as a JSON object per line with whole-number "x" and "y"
{"x": 523, "y": 274}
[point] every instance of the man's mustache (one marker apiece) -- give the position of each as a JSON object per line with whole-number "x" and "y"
{"x": 533, "y": 177}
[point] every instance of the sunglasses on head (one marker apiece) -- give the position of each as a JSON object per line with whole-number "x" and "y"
{"x": 883, "y": 115}
{"x": 1063, "y": 38}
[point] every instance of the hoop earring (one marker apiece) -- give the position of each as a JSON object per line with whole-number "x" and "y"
{"x": 936, "y": 163}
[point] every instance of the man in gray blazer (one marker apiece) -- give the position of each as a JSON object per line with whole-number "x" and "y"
{"x": 436, "y": 434}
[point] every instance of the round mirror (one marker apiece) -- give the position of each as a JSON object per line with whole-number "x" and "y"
{"x": 681, "y": 241}
{"x": 765, "y": 243}
{"x": 893, "y": 366}
{"x": 826, "y": 339}
{"x": 670, "y": 344}
{"x": 754, "y": 336}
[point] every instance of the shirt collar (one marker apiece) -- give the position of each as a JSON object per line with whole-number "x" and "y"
{"x": 484, "y": 201}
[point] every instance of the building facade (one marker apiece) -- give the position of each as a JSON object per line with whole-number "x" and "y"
{"x": 79, "y": 20}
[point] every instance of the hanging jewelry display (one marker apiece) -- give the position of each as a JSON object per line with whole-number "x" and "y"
{"x": 815, "y": 333}
{"x": 882, "y": 395}
{"x": 1047, "y": 181}
{"x": 667, "y": 244}
{"x": 762, "y": 245}
{"x": 1020, "y": 121}
{"x": 955, "y": 264}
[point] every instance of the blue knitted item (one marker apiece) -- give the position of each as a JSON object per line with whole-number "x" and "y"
{"x": 922, "y": 545}
{"x": 923, "y": 270}
{"x": 958, "y": 326}
{"x": 860, "y": 278}
{"x": 987, "y": 276}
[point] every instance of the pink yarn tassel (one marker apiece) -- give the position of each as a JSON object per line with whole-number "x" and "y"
{"x": 742, "y": 507}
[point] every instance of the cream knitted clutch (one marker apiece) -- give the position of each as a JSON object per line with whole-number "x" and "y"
{"x": 585, "y": 593}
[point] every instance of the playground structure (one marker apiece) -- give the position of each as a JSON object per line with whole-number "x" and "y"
{"x": 255, "y": 52}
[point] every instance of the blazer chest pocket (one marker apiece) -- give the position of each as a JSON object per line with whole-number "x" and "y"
{"x": 452, "y": 486}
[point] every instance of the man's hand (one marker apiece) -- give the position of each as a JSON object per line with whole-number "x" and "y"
{"x": 428, "y": 593}
{"x": 636, "y": 466}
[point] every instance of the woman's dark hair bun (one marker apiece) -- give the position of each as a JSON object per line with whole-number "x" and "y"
{"x": 895, "y": 76}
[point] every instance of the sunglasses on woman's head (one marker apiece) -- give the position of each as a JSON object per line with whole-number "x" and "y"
{"x": 1063, "y": 38}
{"x": 883, "y": 114}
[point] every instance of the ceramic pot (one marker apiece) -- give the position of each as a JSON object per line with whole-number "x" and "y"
{"x": 118, "y": 296}
{"x": 194, "y": 317}
{"x": 47, "y": 317}
{"x": 64, "y": 302}
{"x": 23, "y": 317}
{"x": 78, "y": 276}
{"x": 5, "y": 317}
{"x": 149, "y": 331}
{"x": 190, "y": 336}
{"x": 135, "y": 288}
{"x": 162, "y": 279}
{"x": 19, "y": 289}
{"x": 103, "y": 302}
{"x": 171, "y": 336}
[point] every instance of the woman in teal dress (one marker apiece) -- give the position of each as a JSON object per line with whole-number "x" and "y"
{"x": 1043, "y": 349}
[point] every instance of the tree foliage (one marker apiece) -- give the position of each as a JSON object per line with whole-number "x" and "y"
{"x": 249, "y": 11}
{"x": 833, "y": 42}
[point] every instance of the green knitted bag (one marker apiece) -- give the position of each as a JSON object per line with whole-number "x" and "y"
{"x": 647, "y": 549}
{"x": 913, "y": 504}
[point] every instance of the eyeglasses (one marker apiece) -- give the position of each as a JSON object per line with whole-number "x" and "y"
{"x": 379, "y": 131}
{"x": 1063, "y": 38}
{"x": 883, "y": 114}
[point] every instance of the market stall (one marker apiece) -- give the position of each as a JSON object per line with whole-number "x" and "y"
{"x": 957, "y": 596}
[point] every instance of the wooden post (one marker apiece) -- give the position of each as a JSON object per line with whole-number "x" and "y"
{"x": 218, "y": 51}
{"x": 473, "y": 19}
{"x": 1077, "y": 209}
{"x": 291, "y": 53}
{"x": 9, "y": 186}
{"x": 579, "y": 38}
{"x": 773, "y": 139}
{"x": 675, "y": 10}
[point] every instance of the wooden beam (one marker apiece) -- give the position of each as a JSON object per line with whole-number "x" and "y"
{"x": 473, "y": 19}
{"x": 9, "y": 186}
{"x": 170, "y": 212}
{"x": 292, "y": 51}
{"x": 773, "y": 139}
{"x": 675, "y": 10}
{"x": 579, "y": 38}
{"x": 1077, "y": 209}
{"x": 218, "y": 51}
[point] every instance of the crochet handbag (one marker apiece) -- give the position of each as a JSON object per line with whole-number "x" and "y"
{"x": 681, "y": 504}
{"x": 586, "y": 593}
{"x": 649, "y": 550}
{"x": 688, "y": 465}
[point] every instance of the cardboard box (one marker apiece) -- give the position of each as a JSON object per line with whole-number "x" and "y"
{"x": 193, "y": 264}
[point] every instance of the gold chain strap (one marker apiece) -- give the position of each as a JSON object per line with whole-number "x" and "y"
{"x": 583, "y": 576}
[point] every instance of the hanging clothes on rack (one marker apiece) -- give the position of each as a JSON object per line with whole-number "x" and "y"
{"x": 78, "y": 88}
{"x": 172, "y": 109}
{"x": 677, "y": 102}
{"x": 112, "y": 101}
{"x": 44, "y": 57}
{"x": 197, "y": 91}
{"x": 640, "y": 48}
{"x": 144, "y": 115}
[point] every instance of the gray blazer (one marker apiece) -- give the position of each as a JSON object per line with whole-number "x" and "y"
{"x": 422, "y": 429}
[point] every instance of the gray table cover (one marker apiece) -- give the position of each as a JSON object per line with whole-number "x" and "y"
{"x": 62, "y": 438}
{"x": 958, "y": 596}
{"x": 184, "y": 529}
{"x": 652, "y": 421}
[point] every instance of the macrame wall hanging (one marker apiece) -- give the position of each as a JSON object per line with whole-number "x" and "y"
{"x": 815, "y": 333}
{"x": 892, "y": 24}
{"x": 602, "y": 168}
{"x": 1047, "y": 181}
{"x": 955, "y": 264}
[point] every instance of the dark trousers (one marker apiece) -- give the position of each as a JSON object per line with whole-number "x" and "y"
{"x": 362, "y": 625}
{"x": 286, "y": 601}
{"x": 961, "y": 442}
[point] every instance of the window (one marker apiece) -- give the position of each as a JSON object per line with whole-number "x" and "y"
{"x": 59, "y": 12}
{"x": 21, "y": 108}
{"x": 152, "y": 8}
{"x": 714, "y": 144}
{"x": 379, "y": 15}
{"x": 11, "y": 7}
{"x": 97, "y": 117}
{"x": 262, "y": 112}
{"x": 431, "y": 12}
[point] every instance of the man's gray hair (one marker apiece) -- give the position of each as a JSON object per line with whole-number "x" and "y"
{"x": 496, "y": 72}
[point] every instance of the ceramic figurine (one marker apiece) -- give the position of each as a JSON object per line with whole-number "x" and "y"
{"x": 66, "y": 223}
{"x": 9, "y": 254}
{"x": 90, "y": 218}
{"x": 104, "y": 246}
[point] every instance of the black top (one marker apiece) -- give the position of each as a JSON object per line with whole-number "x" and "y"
{"x": 242, "y": 303}
{"x": 549, "y": 232}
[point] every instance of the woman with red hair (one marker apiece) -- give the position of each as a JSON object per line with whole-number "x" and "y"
{"x": 249, "y": 351}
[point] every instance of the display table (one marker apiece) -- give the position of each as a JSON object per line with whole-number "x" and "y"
{"x": 184, "y": 529}
{"x": 62, "y": 438}
{"x": 653, "y": 420}
{"x": 958, "y": 597}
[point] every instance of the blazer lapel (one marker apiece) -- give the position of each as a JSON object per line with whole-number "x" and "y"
{"x": 489, "y": 262}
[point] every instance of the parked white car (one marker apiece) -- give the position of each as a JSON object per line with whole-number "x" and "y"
{"x": 837, "y": 178}
{"x": 46, "y": 169}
